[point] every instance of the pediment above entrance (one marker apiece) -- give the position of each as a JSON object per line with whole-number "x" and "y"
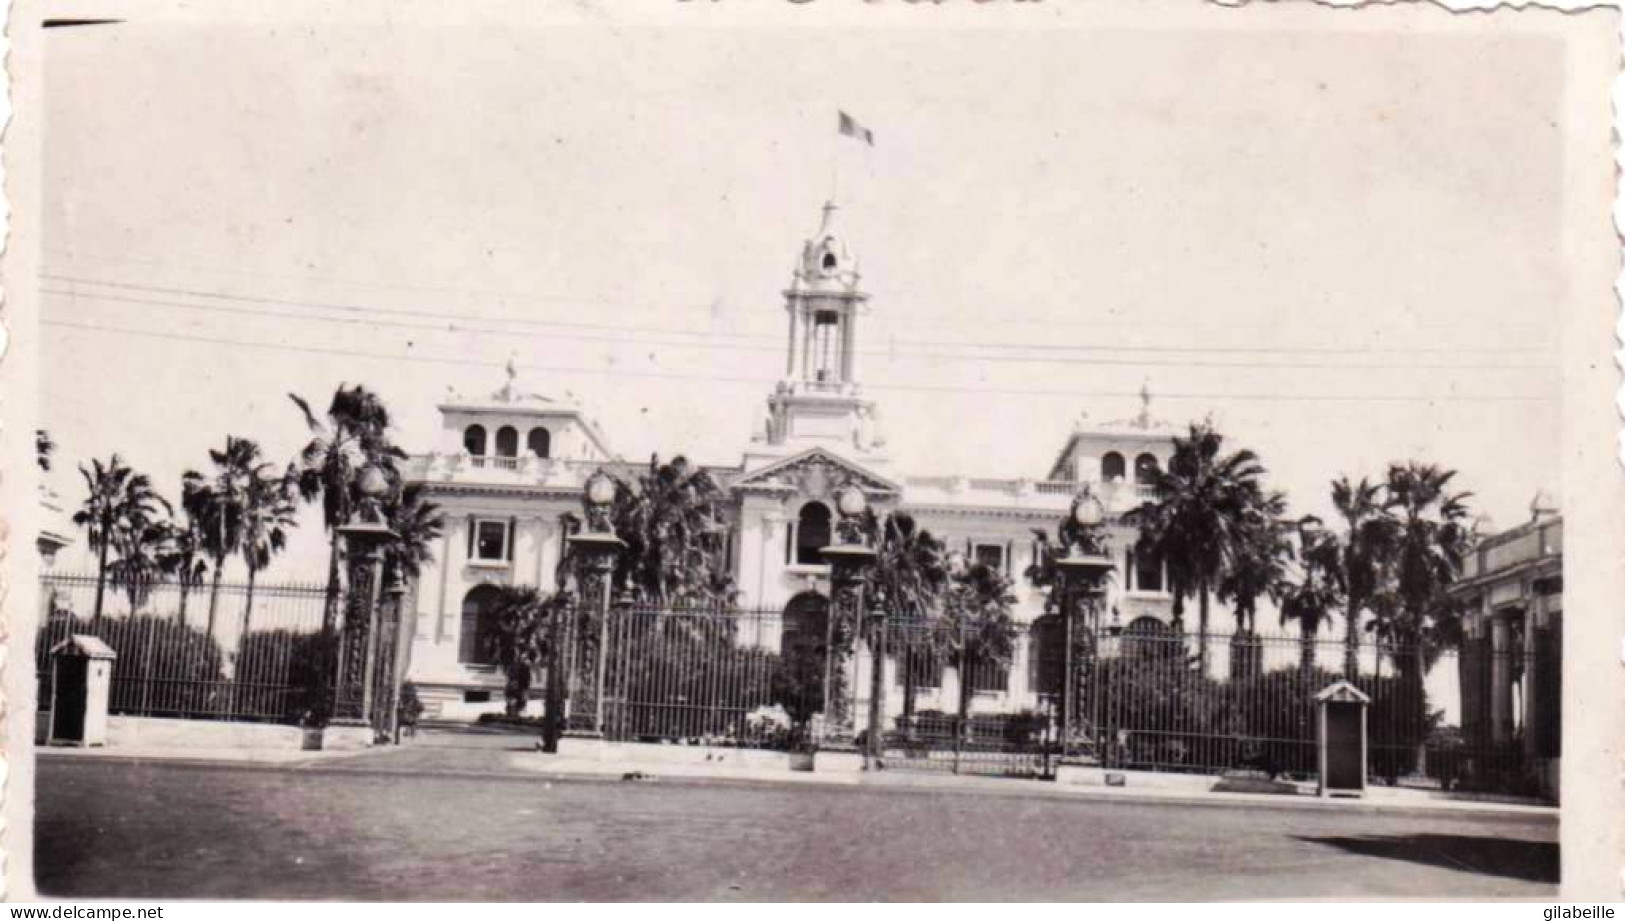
{"x": 815, "y": 473}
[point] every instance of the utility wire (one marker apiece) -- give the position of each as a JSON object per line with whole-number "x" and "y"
{"x": 771, "y": 340}
{"x": 458, "y": 327}
{"x": 765, "y": 382}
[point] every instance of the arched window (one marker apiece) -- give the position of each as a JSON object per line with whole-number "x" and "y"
{"x": 812, "y": 534}
{"x": 539, "y": 441}
{"x": 1149, "y": 638}
{"x": 474, "y": 440}
{"x": 1146, "y": 469}
{"x": 476, "y": 644}
{"x": 507, "y": 442}
{"x": 1147, "y": 569}
{"x": 1112, "y": 467}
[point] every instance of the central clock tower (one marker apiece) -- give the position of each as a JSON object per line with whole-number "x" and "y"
{"x": 819, "y": 402}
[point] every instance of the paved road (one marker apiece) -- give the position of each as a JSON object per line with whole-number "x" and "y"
{"x": 110, "y": 828}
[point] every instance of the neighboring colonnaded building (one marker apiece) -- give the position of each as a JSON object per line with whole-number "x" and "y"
{"x": 1511, "y": 590}
{"x": 511, "y": 465}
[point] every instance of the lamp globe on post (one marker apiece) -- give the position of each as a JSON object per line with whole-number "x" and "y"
{"x": 595, "y": 550}
{"x": 364, "y": 538}
{"x": 848, "y": 559}
{"x": 1078, "y": 575}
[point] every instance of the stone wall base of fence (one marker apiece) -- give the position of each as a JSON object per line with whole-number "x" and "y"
{"x": 652, "y": 756}
{"x": 347, "y": 736}
{"x": 1096, "y": 776}
{"x": 159, "y": 732}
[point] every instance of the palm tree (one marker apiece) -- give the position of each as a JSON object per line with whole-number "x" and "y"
{"x": 676, "y": 537}
{"x": 977, "y": 627}
{"x": 1431, "y": 530}
{"x": 353, "y": 435}
{"x": 268, "y": 514}
{"x": 221, "y": 504}
{"x": 141, "y": 546}
{"x": 117, "y": 497}
{"x": 520, "y": 639}
{"x": 1196, "y": 522}
{"x": 1308, "y": 599}
{"x": 1257, "y": 569}
{"x": 1367, "y": 536}
{"x": 185, "y": 550}
{"x": 416, "y": 524}
{"x": 907, "y": 581}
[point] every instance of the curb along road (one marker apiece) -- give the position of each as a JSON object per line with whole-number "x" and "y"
{"x": 513, "y": 768}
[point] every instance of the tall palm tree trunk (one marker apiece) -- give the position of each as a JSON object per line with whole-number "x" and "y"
{"x": 186, "y": 591}
{"x": 101, "y": 579}
{"x": 1351, "y": 641}
{"x": 962, "y": 735}
{"x": 214, "y": 599}
{"x": 1309, "y": 634}
{"x": 911, "y": 688}
{"x": 1202, "y": 630}
{"x": 248, "y": 603}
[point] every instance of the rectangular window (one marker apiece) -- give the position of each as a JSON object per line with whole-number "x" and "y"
{"x": 491, "y": 541}
{"x": 990, "y": 555}
{"x": 926, "y": 669}
{"x": 988, "y": 676}
{"x": 1147, "y": 571}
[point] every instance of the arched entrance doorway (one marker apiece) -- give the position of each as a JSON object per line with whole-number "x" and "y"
{"x": 804, "y": 654}
{"x": 476, "y": 642}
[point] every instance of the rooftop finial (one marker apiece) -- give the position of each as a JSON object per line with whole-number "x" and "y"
{"x": 1145, "y": 404}
{"x": 509, "y": 392}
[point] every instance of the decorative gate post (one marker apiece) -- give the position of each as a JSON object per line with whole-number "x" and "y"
{"x": 357, "y": 666}
{"x": 849, "y": 559}
{"x": 1079, "y": 578}
{"x": 595, "y": 551}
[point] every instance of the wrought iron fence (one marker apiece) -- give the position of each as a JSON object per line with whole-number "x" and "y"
{"x": 702, "y": 674}
{"x": 1145, "y": 698}
{"x": 192, "y": 651}
{"x": 1145, "y": 701}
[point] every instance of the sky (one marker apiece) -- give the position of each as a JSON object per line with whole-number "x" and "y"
{"x": 1324, "y": 239}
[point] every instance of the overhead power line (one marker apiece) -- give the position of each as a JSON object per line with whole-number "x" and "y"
{"x": 776, "y": 340}
{"x": 764, "y": 382}
{"x": 457, "y": 326}
{"x": 1048, "y": 323}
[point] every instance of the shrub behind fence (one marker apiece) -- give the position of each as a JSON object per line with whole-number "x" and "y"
{"x": 174, "y": 660}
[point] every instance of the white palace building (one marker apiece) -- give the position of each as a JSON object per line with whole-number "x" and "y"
{"x": 511, "y": 464}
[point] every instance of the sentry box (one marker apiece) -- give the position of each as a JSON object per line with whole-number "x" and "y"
{"x": 1342, "y": 739}
{"x": 81, "y": 676}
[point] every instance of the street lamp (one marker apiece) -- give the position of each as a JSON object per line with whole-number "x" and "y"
{"x": 1081, "y": 571}
{"x": 595, "y": 551}
{"x": 848, "y": 560}
{"x": 364, "y": 539}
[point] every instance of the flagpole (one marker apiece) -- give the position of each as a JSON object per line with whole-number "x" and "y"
{"x": 835, "y": 165}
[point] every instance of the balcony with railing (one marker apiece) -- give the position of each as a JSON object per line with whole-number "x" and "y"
{"x": 493, "y": 469}
{"x": 1119, "y": 496}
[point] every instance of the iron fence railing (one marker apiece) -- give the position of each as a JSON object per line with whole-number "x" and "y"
{"x": 192, "y": 651}
{"x": 1144, "y": 698}
{"x": 698, "y": 674}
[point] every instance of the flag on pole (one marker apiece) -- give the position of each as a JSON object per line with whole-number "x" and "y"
{"x": 851, "y": 128}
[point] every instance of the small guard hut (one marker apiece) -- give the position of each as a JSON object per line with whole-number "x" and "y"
{"x": 81, "y": 679}
{"x": 1342, "y": 739}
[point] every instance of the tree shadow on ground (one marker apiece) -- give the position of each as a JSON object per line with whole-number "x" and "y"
{"x": 1532, "y": 861}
